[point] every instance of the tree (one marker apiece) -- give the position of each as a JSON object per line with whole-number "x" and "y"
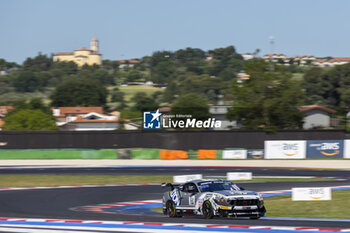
{"x": 269, "y": 99}
{"x": 329, "y": 87}
{"x": 29, "y": 119}
{"x": 34, "y": 104}
{"x": 134, "y": 75}
{"x": 144, "y": 103}
{"x": 8, "y": 65}
{"x": 110, "y": 65}
{"x": 79, "y": 92}
{"x": 66, "y": 67}
{"x": 27, "y": 81}
{"x": 163, "y": 72}
{"x": 312, "y": 83}
{"x": 38, "y": 63}
{"x": 191, "y": 104}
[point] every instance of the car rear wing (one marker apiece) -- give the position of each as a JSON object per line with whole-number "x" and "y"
{"x": 171, "y": 185}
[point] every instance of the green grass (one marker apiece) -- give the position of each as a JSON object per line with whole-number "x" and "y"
{"x": 283, "y": 206}
{"x": 54, "y": 180}
{"x": 298, "y": 76}
{"x": 130, "y": 91}
{"x": 58, "y": 154}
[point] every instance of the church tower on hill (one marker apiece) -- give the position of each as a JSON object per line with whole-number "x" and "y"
{"x": 94, "y": 44}
{"x": 82, "y": 56}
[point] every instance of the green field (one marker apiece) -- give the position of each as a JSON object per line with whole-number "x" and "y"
{"x": 283, "y": 206}
{"x": 56, "y": 180}
{"x": 130, "y": 91}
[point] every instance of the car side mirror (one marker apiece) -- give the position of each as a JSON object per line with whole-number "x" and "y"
{"x": 241, "y": 188}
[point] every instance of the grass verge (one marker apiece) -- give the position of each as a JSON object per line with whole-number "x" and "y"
{"x": 283, "y": 206}
{"x": 56, "y": 180}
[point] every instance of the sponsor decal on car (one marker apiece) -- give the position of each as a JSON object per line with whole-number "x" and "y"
{"x": 175, "y": 196}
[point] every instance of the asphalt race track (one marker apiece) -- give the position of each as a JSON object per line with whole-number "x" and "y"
{"x": 56, "y": 203}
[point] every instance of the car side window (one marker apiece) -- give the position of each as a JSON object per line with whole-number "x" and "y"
{"x": 190, "y": 188}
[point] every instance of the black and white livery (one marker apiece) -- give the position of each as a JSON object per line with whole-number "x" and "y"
{"x": 212, "y": 197}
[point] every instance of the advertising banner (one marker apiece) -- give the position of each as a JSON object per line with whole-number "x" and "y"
{"x": 285, "y": 149}
{"x": 347, "y": 149}
{"x": 311, "y": 194}
{"x": 185, "y": 178}
{"x": 255, "y": 154}
{"x": 325, "y": 149}
{"x": 239, "y": 175}
{"x": 234, "y": 154}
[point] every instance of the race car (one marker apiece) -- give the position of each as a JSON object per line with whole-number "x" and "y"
{"x": 212, "y": 197}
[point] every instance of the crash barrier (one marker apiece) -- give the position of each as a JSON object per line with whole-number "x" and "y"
{"x": 311, "y": 194}
{"x": 59, "y": 154}
{"x": 302, "y": 149}
{"x": 144, "y": 153}
{"x": 239, "y": 176}
{"x": 170, "y": 140}
{"x": 234, "y": 154}
{"x": 185, "y": 178}
{"x": 206, "y": 154}
{"x": 173, "y": 154}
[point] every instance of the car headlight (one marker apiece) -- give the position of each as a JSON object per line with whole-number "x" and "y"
{"x": 221, "y": 199}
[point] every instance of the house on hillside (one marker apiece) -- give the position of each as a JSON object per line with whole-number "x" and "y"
{"x": 3, "y": 112}
{"x": 125, "y": 64}
{"x": 317, "y": 116}
{"x": 85, "y": 118}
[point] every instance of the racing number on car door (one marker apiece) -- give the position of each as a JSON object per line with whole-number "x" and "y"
{"x": 192, "y": 200}
{"x": 189, "y": 197}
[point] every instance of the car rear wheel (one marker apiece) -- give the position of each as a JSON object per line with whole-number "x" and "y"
{"x": 170, "y": 209}
{"x": 207, "y": 210}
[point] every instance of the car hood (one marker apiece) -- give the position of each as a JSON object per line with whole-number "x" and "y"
{"x": 237, "y": 193}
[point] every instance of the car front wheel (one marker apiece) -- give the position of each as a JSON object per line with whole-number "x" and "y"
{"x": 207, "y": 210}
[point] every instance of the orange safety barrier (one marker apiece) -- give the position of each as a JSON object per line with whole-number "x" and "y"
{"x": 206, "y": 154}
{"x": 173, "y": 154}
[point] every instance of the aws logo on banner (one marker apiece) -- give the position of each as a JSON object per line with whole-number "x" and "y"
{"x": 329, "y": 149}
{"x": 317, "y": 193}
{"x": 290, "y": 149}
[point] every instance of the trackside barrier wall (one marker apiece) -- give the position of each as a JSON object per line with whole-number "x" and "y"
{"x": 347, "y": 149}
{"x": 234, "y": 154}
{"x": 325, "y": 149}
{"x": 173, "y": 154}
{"x": 285, "y": 149}
{"x": 170, "y": 140}
{"x": 206, "y": 154}
{"x": 145, "y": 154}
{"x": 302, "y": 149}
{"x": 255, "y": 154}
{"x": 59, "y": 154}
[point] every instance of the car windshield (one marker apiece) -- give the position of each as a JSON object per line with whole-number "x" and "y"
{"x": 212, "y": 186}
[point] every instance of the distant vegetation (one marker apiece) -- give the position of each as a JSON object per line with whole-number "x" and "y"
{"x": 269, "y": 99}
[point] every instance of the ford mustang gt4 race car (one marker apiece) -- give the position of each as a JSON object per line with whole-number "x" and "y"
{"x": 212, "y": 197}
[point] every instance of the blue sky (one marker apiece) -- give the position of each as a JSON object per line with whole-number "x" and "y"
{"x": 136, "y": 28}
